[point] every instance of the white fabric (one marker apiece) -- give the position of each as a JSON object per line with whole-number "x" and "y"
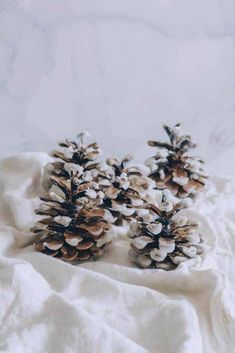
{"x": 110, "y": 306}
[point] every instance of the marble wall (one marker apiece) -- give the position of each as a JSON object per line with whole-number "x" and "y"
{"x": 119, "y": 69}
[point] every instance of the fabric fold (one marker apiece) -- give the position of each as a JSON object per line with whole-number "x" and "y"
{"x": 47, "y": 305}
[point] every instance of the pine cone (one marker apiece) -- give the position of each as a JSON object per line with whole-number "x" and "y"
{"x": 173, "y": 169}
{"x": 160, "y": 239}
{"x": 123, "y": 188}
{"x": 76, "y": 227}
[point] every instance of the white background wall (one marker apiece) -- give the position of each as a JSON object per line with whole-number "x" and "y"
{"x": 120, "y": 69}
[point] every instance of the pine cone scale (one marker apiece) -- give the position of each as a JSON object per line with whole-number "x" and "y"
{"x": 85, "y": 245}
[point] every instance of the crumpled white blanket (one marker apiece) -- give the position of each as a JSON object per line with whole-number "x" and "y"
{"x": 109, "y": 306}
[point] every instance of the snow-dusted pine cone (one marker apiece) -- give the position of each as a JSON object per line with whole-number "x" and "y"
{"x": 161, "y": 238}
{"x": 124, "y": 188}
{"x": 172, "y": 168}
{"x": 76, "y": 228}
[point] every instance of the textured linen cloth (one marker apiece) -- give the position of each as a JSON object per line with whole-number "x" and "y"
{"x": 109, "y": 306}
